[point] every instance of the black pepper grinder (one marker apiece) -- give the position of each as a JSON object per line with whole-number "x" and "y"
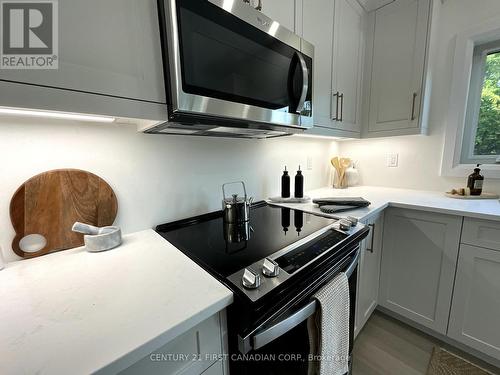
{"x": 475, "y": 182}
{"x": 285, "y": 184}
{"x": 299, "y": 184}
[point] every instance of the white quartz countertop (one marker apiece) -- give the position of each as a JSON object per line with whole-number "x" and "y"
{"x": 75, "y": 312}
{"x": 382, "y": 197}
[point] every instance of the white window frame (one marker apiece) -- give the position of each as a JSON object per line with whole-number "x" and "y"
{"x": 453, "y": 164}
{"x": 478, "y": 71}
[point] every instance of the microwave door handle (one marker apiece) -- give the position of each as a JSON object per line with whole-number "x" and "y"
{"x": 265, "y": 336}
{"x": 305, "y": 82}
{"x": 297, "y": 104}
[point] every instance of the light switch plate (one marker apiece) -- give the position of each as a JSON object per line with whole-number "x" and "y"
{"x": 392, "y": 160}
{"x": 309, "y": 163}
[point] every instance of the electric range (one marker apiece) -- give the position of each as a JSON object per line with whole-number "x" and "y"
{"x": 273, "y": 264}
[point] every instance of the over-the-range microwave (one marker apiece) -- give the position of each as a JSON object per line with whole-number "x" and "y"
{"x": 231, "y": 71}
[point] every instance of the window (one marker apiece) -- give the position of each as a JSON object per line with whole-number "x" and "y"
{"x": 481, "y": 142}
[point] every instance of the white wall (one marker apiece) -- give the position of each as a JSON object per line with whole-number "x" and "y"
{"x": 420, "y": 156}
{"x": 156, "y": 178}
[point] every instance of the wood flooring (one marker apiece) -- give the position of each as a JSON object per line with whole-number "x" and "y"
{"x": 386, "y": 346}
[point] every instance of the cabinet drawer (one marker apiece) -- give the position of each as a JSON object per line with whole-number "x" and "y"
{"x": 483, "y": 233}
{"x": 189, "y": 354}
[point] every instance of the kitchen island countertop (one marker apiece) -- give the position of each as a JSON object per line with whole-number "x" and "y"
{"x": 382, "y": 197}
{"x": 79, "y": 312}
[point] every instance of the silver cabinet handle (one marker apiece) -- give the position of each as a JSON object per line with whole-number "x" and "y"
{"x": 336, "y": 95}
{"x": 372, "y": 230}
{"x": 265, "y": 336}
{"x": 413, "y": 106}
{"x": 341, "y": 107}
{"x": 305, "y": 82}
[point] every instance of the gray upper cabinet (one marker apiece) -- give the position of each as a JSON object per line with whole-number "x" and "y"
{"x": 398, "y": 51}
{"x": 476, "y": 300}
{"x": 338, "y": 58}
{"x": 418, "y": 265}
{"x": 320, "y": 12}
{"x": 109, "y": 48}
{"x": 348, "y": 46}
{"x": 282, "y": 11}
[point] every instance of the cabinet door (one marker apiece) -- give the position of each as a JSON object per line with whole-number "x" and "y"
{"x": 282, "y": 11}
{"x": 418, "y": 265}
{"x": 189, "y": 354}
{"x": 347, "y": 64}
{"x": 320, "y": 12}
{"x": 399, "y": 49}
{"x": 369, "y": 273}
{"x": 476, "y": 300}
{"x": 107, "y": 47}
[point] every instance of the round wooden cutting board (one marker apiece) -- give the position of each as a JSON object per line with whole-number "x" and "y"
{"x": 48, "y": 204}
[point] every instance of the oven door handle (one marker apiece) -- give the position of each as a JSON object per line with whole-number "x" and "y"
{"x": 271, "y": 333}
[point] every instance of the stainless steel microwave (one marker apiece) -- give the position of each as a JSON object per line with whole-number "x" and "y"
{"x": 232, "y": 71}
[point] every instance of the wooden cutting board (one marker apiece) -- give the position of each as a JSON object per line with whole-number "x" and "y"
{"x": 49, "y": 203}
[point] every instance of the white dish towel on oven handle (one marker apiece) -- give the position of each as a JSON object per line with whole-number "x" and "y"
{"x": 329, "y": 329}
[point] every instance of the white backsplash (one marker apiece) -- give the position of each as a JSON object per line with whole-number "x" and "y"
{"x": 156, "y": 178}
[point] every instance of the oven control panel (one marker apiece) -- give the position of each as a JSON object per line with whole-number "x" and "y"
{"x": 261, "y": 277}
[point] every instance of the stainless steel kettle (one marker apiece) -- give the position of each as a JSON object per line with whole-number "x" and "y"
{"x": 236, "y": 209}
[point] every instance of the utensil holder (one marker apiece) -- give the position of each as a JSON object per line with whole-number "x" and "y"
{"x": 339, "y": 183}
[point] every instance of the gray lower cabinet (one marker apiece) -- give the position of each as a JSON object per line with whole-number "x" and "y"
{"x": 418, "y": 265}
{"x": 215, "y": 369}
{"x": 475, "y": 311}
{"x": 192, "y": 353}
{"x": 369, "y": 272}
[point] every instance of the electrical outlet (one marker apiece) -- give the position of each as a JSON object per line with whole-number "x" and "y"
{"x": 309, "y": 164}
{"x": 392, "y": 160}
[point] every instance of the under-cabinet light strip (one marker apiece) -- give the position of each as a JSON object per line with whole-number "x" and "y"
{"x": 56, "y": 115}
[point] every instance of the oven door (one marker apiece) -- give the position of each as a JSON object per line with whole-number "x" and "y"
{"x": 281, "y": 346}
{"x": 227, "y": 60}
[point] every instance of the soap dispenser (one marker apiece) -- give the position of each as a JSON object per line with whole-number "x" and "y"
{"x": 475, "y": 182}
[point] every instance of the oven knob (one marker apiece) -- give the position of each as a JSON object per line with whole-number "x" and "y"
{"x": 344, "y": 224}
{"x": 270, "y": 268}
{"x": 251, "y": 279}
{"x": 353, "y": 220}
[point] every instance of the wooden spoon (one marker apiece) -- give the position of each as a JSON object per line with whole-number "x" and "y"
{"x": 344, "y": 164}
{"x": 336, "y": 164}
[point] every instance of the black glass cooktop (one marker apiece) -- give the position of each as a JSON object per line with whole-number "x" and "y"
{"x": 224, "y": 249}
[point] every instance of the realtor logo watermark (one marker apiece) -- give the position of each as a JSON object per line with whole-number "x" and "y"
{"x": 29, "y": 34}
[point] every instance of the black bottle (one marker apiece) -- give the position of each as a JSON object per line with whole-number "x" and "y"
{"x": 475, "y": 182}
{"x": 299, "y": 184}
{"x": 285, "y": 184}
